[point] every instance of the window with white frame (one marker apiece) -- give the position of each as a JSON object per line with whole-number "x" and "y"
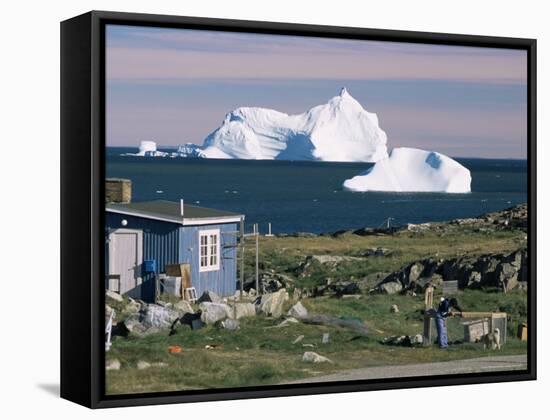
{"x": 209, "y": 250}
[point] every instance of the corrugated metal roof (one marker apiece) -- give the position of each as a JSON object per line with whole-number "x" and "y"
{"x": 171, "y": 211}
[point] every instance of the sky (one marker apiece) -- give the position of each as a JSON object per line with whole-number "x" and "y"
{"x": 175, "y": 86}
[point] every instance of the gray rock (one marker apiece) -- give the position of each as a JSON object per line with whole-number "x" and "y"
{"x": 390, "y": 288}
{"x": 298, "y": 339}
{"x": 326, "y": 338}
{"x": 231, "y": 324}
{"x": 297, "y": 294}
{"x": 184, "y": 307}
{"x": 132, "y": 307}
{"x": 134, "y": 325}
{"x": 143, "y": 365}
{"x": 394, "y": 309}
{"x": 112, "y": 364}
{"x": 214, "y": 312}
{"x": 298, "y": 311}
{"x": 113, "y": 295}
{"x": 209, "y": 296}
{"x": 271, "y": 304}
{"x": 312, "y": 357}
{"x": 243, "y": 310}
{"x": 507, "y": 276}
{"x": 158, "y": 317}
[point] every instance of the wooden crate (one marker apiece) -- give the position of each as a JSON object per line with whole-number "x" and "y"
{"x": 522, "y": 331}
{"x": 475, "y": 329}
{"x": 450, "y": 287}
{"x": 183, "y": 271}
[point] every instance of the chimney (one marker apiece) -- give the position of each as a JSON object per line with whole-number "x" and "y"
{"x": 118, "y": 190}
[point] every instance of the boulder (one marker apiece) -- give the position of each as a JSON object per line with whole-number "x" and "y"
{"x": 312, "y": 357}
{"x": 394, "y": 309}
{"x": 506, "y": 276}
{"x": 112, "y": 364}
{"x": 271, "y": 304}
{"x": 391, "y": 287}
{"x": 143, "y": 365}
{"x": 243, "y": 310}
{"x": 134, "y": 325}
{"x": 296, "y": 294}
{"x": 113, "y": 295}
{"x": 298, "y": 311}
{"x": 209, "y": 296}
{"x": 213, "y": 312}
{"x": 184, "y": 307}
{"x": 231, "y": 324}
{"x": 158, "y": 317}
{"x": 132, "y": 307}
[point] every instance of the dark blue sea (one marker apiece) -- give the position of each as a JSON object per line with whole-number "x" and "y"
{"x": 308, "y": 196}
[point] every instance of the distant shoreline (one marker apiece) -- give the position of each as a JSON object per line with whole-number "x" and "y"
{"x": 174, "y": 148}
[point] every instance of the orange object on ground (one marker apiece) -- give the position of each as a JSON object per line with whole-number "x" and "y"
{"x": 174, "y": 349}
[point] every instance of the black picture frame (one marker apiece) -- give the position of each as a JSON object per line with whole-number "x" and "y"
{"x": 82, "y": 206}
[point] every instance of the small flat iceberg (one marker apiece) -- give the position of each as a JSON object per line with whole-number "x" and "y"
{"x": 413, "y": 170}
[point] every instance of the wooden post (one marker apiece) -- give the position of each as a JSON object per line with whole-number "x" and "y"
{"x": 256, "y": 230}
{"x": 428, "y": 298}
{"x": 427, "y": 335}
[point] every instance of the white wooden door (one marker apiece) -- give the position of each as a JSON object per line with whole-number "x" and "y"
{"x": 126, "y": 257}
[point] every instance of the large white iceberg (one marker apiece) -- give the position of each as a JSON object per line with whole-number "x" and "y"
{"x": 413, "y": 170}
{"x": 338, "y": 131}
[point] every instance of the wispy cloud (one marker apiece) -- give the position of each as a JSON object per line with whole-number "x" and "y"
{"x": 160, "y": 54}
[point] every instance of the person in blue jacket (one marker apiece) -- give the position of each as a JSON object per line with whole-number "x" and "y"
{"x": 443, "y": 311}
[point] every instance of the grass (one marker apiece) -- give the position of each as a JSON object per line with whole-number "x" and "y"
{"x": 261, "y": 353}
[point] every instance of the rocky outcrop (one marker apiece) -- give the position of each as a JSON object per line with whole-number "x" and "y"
{"x": 503, "y": 271}
{"x": 271, "y": 304}
{"x": 213, "y": 312}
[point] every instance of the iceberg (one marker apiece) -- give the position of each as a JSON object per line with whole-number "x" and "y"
{"x": 147, "y": 148}
{"x": 338, "y": 131}
{"x": 413, "y": 170}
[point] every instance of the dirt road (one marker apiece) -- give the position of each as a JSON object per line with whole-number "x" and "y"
{"x": 482, "y": 364}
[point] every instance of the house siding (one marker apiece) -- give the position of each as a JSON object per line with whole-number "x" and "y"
{"x": 170, "y": 243}
{"x": 222, "y": 281}
{"x": 160, "y": 243}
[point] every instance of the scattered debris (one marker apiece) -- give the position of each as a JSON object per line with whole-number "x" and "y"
{"x": 174, "y": 349}
{"x": 394, "y": 309}
{"x": 312, "y": 357}
{"x": 403, "y": 340}
{"x": 213, "y": 346}
{"x": 159, "y": 364}
{"x": 298, "y": 311}
{"x": 325, "y": 338}
{"x": 143, "y": 365}
{"x": 231, "y": 324}
{"x": 286, "y": 323}
{"x": 298, "y": 339}
{"x": 112, "y": 364}
{"x": 308, "y": 345}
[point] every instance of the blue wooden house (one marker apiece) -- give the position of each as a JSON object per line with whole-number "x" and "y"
{"x": 143, "y": 238}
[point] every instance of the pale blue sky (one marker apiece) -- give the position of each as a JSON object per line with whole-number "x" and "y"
{"x": 175, "y": 86}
